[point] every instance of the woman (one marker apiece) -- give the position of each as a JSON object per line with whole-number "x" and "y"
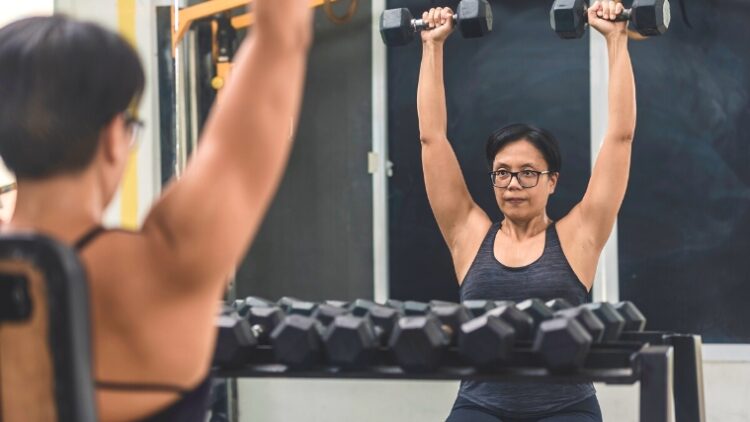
{"x": 526, "y": 254}
{"x": 67, "y": 121}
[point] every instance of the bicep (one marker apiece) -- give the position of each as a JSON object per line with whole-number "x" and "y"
{"x": 606, "y": 190}
{"x": 449, "y": 197}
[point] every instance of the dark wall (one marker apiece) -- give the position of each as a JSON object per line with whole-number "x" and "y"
{"x": 316, "y": 242}
{"x": 684, "y": 229}
{"x": 521, "y": 72}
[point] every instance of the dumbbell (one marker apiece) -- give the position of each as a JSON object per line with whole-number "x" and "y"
{"x": 473, "y": 17}
{"x": 234, "y": 340}
{"x": 525, "y": 317}
{"x": 418, "y": 342}
{"x": 561, "y": 345}
{"x": 606, "y": 322}
{"x": 478, "y": 307}
{"x": 239, "y": 334}
{"x": 568, "y": 18}
{"x": 304, "y": 327}
{"x": 244, "y": 305}
{"x": 351, "y": 340}
{"x": 487, "y": 340}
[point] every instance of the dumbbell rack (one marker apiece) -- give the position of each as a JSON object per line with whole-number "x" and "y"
{"x": 668, "y": 367}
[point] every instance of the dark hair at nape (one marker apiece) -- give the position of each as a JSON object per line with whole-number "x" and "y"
{"x": 542, "y": 139}
{"x": 61, "y": 81}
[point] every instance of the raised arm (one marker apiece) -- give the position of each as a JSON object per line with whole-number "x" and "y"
{"x": 458, "y": 216}
{"x": 601, "y": 203}
{"x": 203, "y": 224}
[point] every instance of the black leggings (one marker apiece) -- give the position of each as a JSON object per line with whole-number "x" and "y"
{"x": 467, "y": 411}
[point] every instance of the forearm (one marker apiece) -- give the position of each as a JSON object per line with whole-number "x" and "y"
{"x": 431, "y": 106}
{"x": 622, "y": 102}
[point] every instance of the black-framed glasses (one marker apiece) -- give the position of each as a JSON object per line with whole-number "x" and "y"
{"x": 526, "y": 178}
{"x": 135, "y": 125}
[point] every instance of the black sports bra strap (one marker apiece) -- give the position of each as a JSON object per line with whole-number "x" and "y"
{"x": 133, "y": 387}
{"x": 88, "y": 237}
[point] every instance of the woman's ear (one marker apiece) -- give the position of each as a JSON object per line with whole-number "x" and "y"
{"x": 553, "y": 178}
{"x": 110, "y": 139}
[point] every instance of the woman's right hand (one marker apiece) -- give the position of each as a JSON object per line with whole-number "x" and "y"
{"x": 439, "y": 20}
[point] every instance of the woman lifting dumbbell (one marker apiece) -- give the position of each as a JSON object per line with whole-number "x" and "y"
{"x": 526, "y": 254}
{"x": 67, "y": 122}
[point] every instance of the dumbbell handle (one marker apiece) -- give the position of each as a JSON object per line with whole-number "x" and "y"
{"x": 622, "y": 17}
{"x": 421, "y": 25}
{"x": 258, "y": 330}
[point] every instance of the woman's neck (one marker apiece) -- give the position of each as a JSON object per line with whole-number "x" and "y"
{"x": 61, "y": 206}
{"x": 525, "y": 229}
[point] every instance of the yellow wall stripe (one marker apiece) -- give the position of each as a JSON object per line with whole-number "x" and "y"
{"x": 129, "y": 188}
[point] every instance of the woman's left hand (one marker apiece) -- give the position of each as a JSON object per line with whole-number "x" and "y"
{"x": 602, "y": 14}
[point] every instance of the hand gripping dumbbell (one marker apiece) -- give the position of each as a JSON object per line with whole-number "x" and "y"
{"x": 473, "y": 17}
{"x": 568, "y": 18}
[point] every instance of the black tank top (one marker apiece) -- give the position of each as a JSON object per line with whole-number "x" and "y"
{"x": 192, "y": 406}
{"x": 547, "y": 278}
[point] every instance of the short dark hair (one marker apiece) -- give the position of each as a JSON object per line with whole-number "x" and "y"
{"x": 542, "y": 139}
{"x": 61, "y": 82}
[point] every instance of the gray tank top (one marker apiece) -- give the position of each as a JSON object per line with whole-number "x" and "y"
{"x": 547, "y": 278}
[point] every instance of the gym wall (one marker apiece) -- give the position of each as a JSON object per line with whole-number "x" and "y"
{"x": 684, "y": 228}
{"x": 316, "y": 241}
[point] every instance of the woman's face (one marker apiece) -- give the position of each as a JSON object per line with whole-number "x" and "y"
{"x": 523, "y": 196}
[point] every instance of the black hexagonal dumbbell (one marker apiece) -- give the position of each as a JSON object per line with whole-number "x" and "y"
{"x": 240, "y": 333}
{"x": 562, "y": 344}
{"x": 337, "y": 303}
{"x": 608, "y": 315}
{"x": 558, "y": 304}
{"x": 360, "y": 307}
{"x": 478, "y": 307}
{"x": 297, "y": 343}
{"x": 395, "y": 304}
{"x": 351, "y": 341}
{"x": 635, "y": 321}
{"x": 473, "y": 17}
{"x": 326, "y": 313}
{"x": 537, "y": 310}
{"x": 244, "y": 305}
{"x": 302, "y": 307}
{"x": 487, "y": 340}
{"x": 383, "y": 317}
{"x": 522, "y": 323}
{"x": 568, "y": 18}
{"x": 263, "y": 320}
{"x": 415, "y": 308}
{"x": 606, "y": 322}
{"x": 286, "y": 302}
{"x": 418, "y": 342}
{"x": 587, "y": 319}
{"x": 234, "y": 341}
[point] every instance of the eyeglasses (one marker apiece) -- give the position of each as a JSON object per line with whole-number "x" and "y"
{"x": 135, "y": 125}
{"x": 526, "y": 178}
